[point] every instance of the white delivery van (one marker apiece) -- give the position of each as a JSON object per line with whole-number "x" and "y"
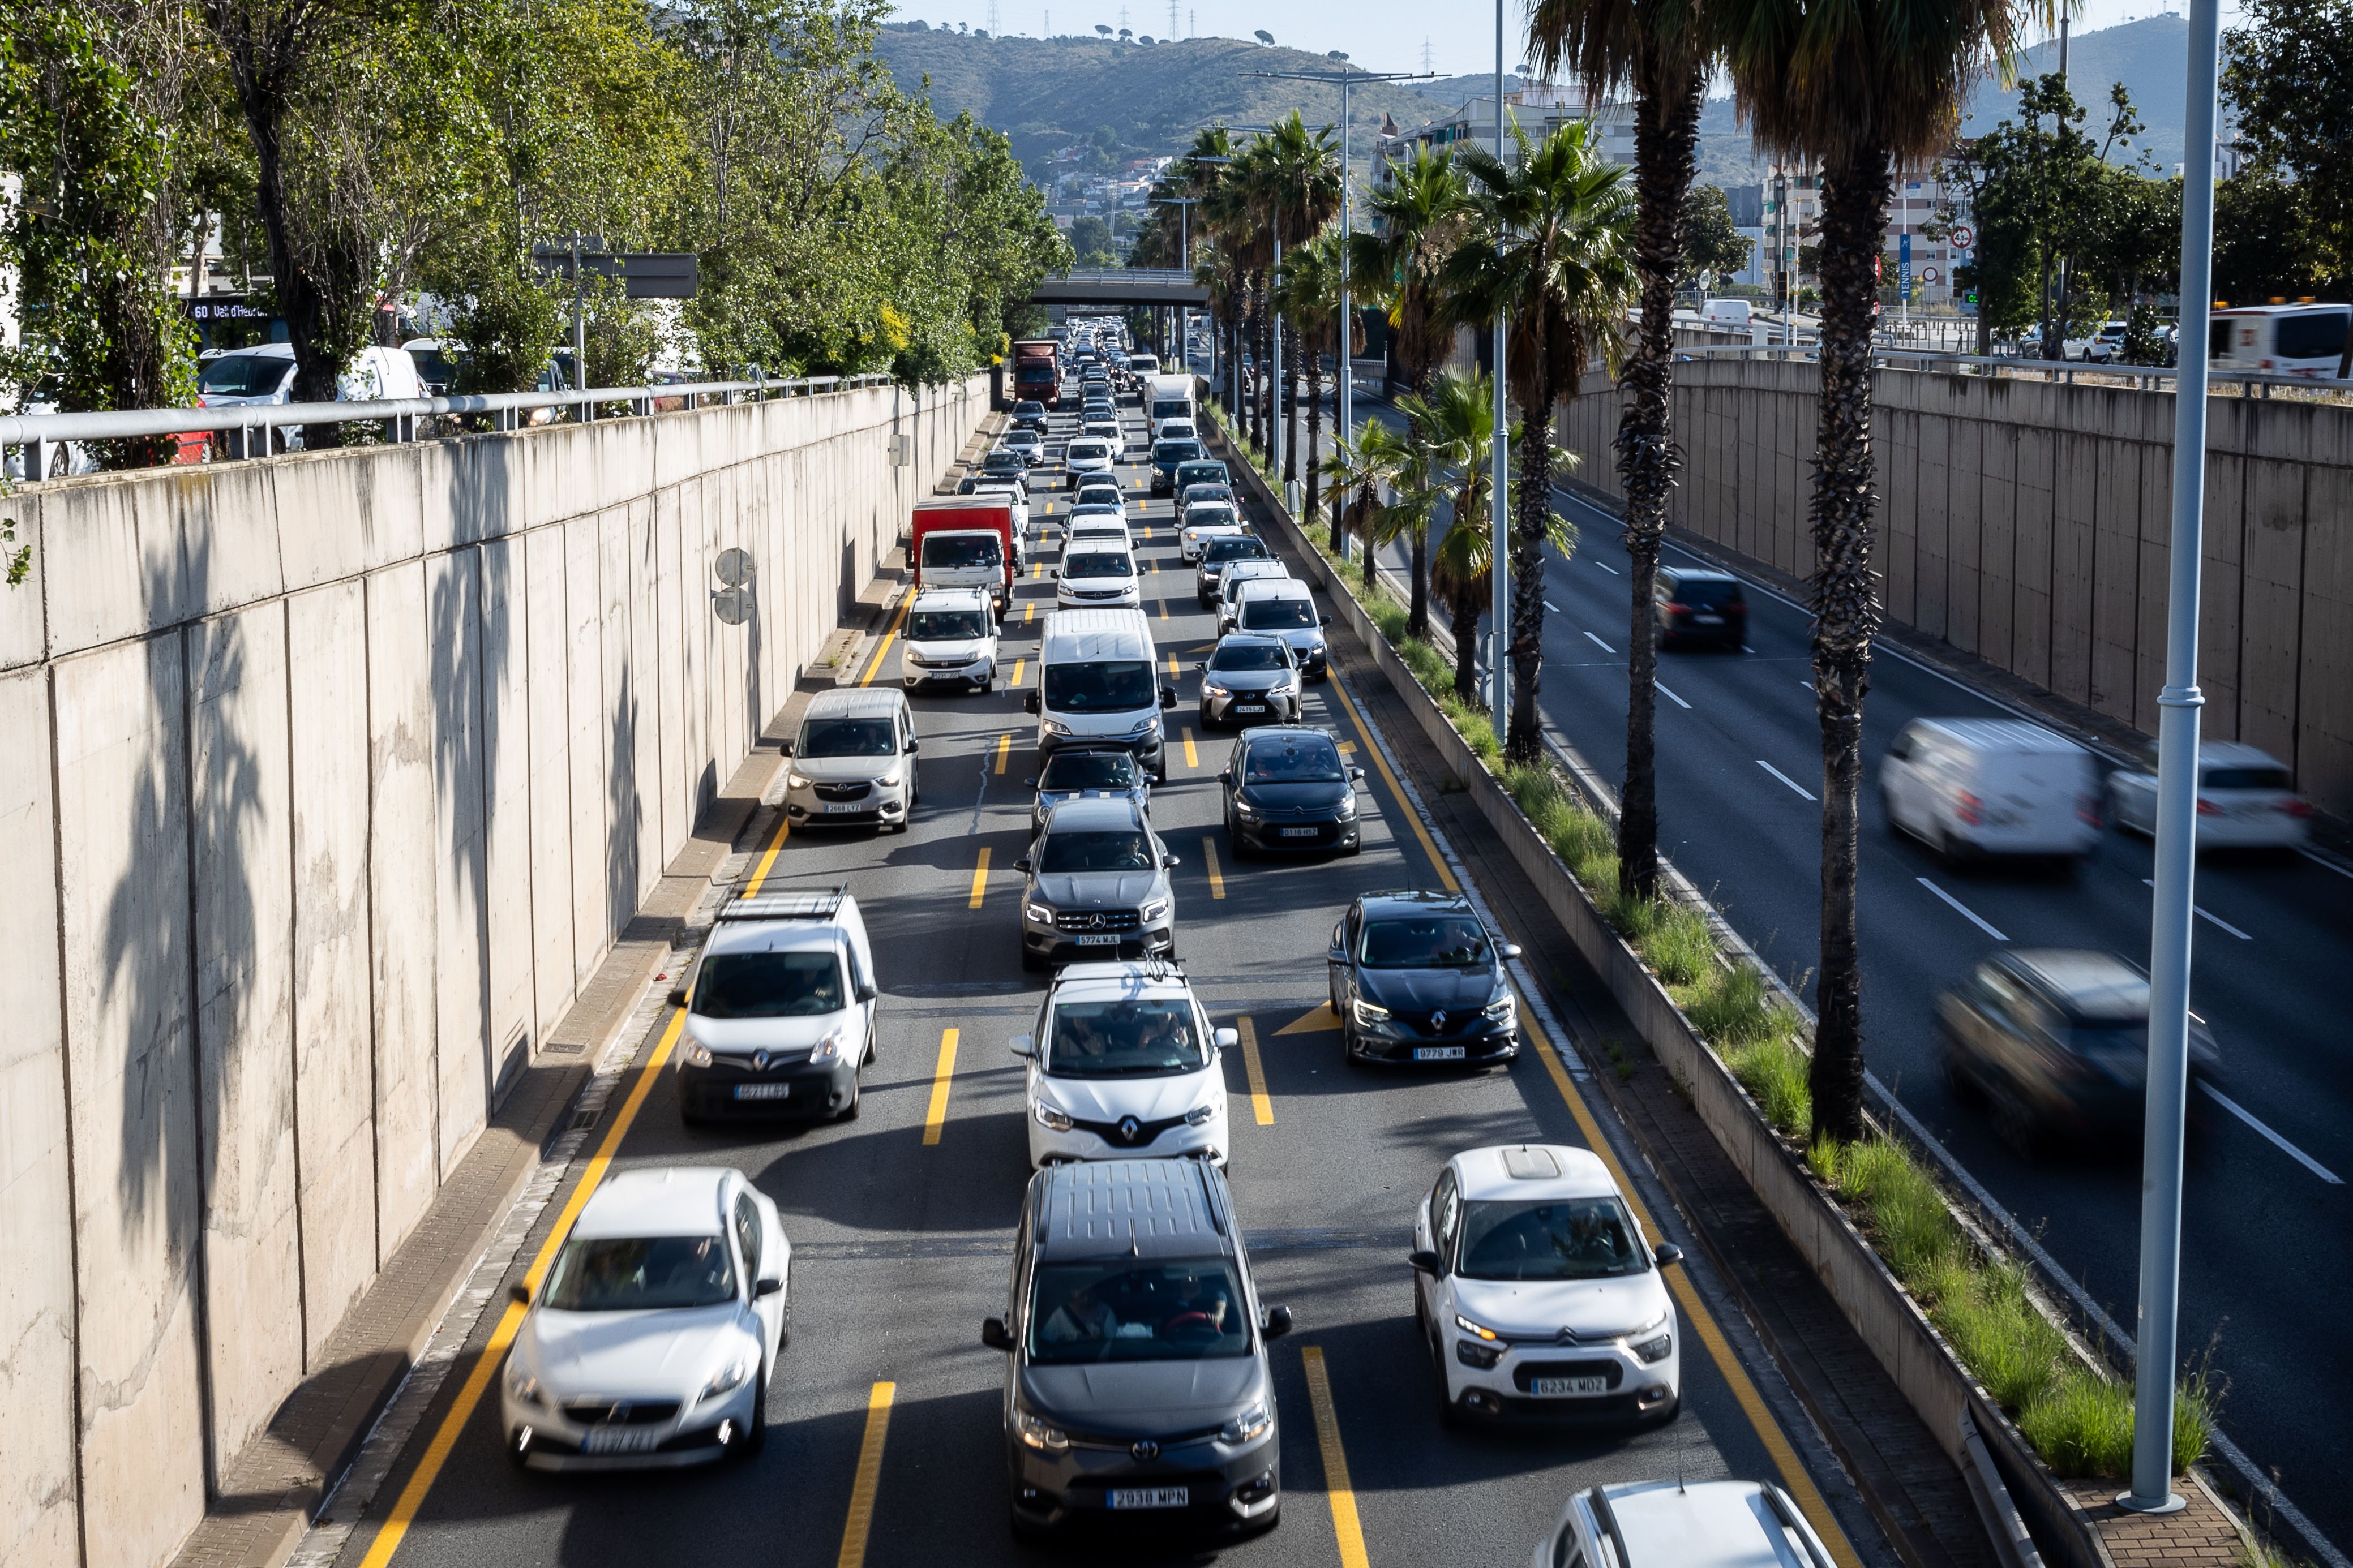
{"x": 1167, "y": 397}
{"x": 1969, "y": 787}
{"x": 2303, "y": 339}
{"x": 1737, "y": 314}
{"x": 1096, "y": 688}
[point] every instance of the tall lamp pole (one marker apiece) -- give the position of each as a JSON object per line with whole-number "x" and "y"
{"x": 2177, "y": 821}
{"x": 1499, "y": 533}
{"x": 1183, "y": 206}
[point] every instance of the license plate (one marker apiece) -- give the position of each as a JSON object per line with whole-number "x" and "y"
{"x": 1300, "y": 832}
{"x": 1709, "y": 620}
{"x": 1569, "y": 1385}
{"x": 1100, "y": 939}
{"x": 764, "y": 1092}
{"x": 1151, "y": 1497}
{"x": 621, "y": 1439}
{"x": 1437, "y": 1053}
{"x": 833, "y": 806}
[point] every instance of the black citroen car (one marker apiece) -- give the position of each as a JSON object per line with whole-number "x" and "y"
{"x": 1416, "y": 977}
{"x": 1286, "y": 788}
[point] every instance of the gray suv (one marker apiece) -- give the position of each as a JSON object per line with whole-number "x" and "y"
{"x": 1136, "y": 1389}
{"x": 1097, "y": 886}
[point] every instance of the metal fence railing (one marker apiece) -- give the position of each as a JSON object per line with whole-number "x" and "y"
{"x": 2252, "y": 384}
{"x": 45, "y": 446}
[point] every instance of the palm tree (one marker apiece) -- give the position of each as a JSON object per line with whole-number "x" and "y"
{"x": 1553, "y": 252}
{"x": 1863, "y": 88}
{"x": 1378, "y": 456}
{"x": 1454, "y": 426}
{"x": 1418, "y": 217}
{"x": 1304, "y": 188}
{"x": 1245, "y": 200}
{"x": 1355, "y": 477}
{"x": 1309, "y": 294}
{"x": 1665, "y": 54}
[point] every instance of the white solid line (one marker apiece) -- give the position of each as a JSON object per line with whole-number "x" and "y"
{"x": 1553, "y": 607}
{"x": 2293, "y": 1153}
{"x": 1596, "y": 642}
{"x": 1670, "y": 696}
{"x": 1606, "y": 567}
{"x": 1785, "y": 778}
{"x": 1967, "y": 914}
{"x": 1807, "y": 684}
{"x": 2203, "y": 915}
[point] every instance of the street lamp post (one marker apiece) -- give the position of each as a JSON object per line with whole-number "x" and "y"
{"x": 1499, "y": 533}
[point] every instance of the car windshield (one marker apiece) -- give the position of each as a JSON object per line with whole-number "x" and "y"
{"x": 1124, "y": 1038}
{"x": 1220, "y": 551}
{"x": 1196, "y": 492}
{"x": 2104, "y": 1036}
{"x": 1116, "y": 685}
{"x": 1094, "y": 849}
{"x": 768, "y": 985}
{"x": 2246, "y": 778}
{"x": 963, "y": 550}
{"x": 1208, "y": 471}
{"x": 1251, "y": 655}
{"x": 1424, "y": 941}
{"x": 1133, "y": 1311}
{"x": 1099, "y": 564}
{"x": 1294, "y": 759}
{"x": 1561, "y": 1238}
{"x": 1706, "y": 591}
{"x": 635, "y": 1274}
{"x": 1025, "y": 407}
{"x": 847, "y": 738}
{"x": 1166, "y": 452}
{"x": 946, "y": 625}
{"x": 244, "y": 376}
{"x": 1209, "y": 517}
{"x": 1089, "y": 770}
{"x": 1277, "y": 615}
{"x": 1084, "y": 449}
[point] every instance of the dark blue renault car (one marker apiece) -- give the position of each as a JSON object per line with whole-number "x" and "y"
{"x": 1418, "y": 979}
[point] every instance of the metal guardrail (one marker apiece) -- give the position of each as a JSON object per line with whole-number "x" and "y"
{"x": 1162, "y": 275}
{"x": 2021, "y": 365}
{"x": 249, "y": 426}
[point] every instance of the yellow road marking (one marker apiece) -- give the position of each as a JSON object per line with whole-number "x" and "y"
{"x": 1163, "y": 609}
{"x": 1004, "y": 750}
{"x": 861, "y": 1521}
{"x": 1437, "y": 862}
{"x": 1336, "y": 1485}
{"x": 1217, "y": 877}
{"x": 1028, "y": 610}
{"x": 1037, "y": 567}
{"x": 760, "y": 873}
{"x": 486, "y": 1367}
{"x": 883, "y": 646}
{"x": 1322, "y": 1021}
{"x": 1261, "y": 1106}
{"x": 1018, "y": 666}
{"x": 1172, "y": 658}
{"x": 1192, "y": 757}
{"x": 935, "y": 1118}
{"x": 980, "y": 877}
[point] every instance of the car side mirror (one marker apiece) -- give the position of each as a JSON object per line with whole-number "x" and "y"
{"x": 1170, "y": 861}
{"x": 1337, "y": 954}
{"x": 1226, "y": 1039}
{"x": 784, "y": 748}
{"x": 994, "y": 1334}
{"x": 1168, "y": 697}
{"x": 1031, "y": 782}
{"x": 519, "y": 1293}
{"x": 1510, "y": 950}
{"x": 868, "y": 991}
{"x": 1667, "y": 1252}
{"x": 769, "y": 1286}
{"x": 1227, "y": 776}
{"x": 1425, "y": 1262}
{"x": 1019, "y": 1046}
{"x": 913, "y": 744}
{"x": 1201, "y": 665}
{"x": 1357, "y": 775}
{"x": 1030, "y": 700}
{"x": 677, "y": 997}
{"x": 1325, "y": 622}
{"x": 1022, "y": 865}
{"x": 1277, "y": 1322}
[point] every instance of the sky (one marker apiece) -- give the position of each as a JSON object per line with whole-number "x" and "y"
{"x": 1379, "y": 35}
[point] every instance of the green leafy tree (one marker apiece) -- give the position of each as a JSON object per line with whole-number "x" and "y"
{"x": 2290, "y": 77}
{"x": 1712, "y": 242}
{"x": 1453, "y": 429}
{"x": 1090, "y": 242}
{"x": 2264, "y": 244}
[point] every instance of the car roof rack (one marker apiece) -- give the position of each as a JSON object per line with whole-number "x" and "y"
{"x": 1599, "y": 1502}
{"x": 802, "y": 904}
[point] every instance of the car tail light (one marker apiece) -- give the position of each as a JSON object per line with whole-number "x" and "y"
{"x": 1968, "y": 808}
{"x": 1677, "y": 609}
{"x": 2295, "y": 808}
{"x": 2208, "y": 808}
{"x": 2087, "y": 809}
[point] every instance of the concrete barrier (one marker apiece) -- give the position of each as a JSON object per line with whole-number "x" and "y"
{"x": 331, "y": 778}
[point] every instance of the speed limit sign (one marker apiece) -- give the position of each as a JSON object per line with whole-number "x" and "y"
{"x": 1927, "y": 275}
{"x": 1964, "y": 237}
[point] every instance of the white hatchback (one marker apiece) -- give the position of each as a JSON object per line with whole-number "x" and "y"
{"x": 1123, "y": 1063}
{"x": 950, "y": 636}
{"x": 1537, "y": 1294}
{"x": 653, "y": 1338}
{"x": 1097, "y": 574}
{"x": 1087, "y": 455}
{"x": 2246, "y": 800}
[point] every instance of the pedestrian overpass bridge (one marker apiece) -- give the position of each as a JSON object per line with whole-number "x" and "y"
{"x": 1121, "y": 286}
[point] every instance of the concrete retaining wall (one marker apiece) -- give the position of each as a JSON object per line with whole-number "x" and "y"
{"x": 329, "y": 780}
{"x": 2026, "y": 522}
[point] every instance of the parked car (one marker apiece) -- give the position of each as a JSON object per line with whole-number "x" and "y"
{"x": 1097, "y": 887}
{"x": 1287, "y": 789}
{"x": 1160, "y": 1344}
{"x": 654, "y": 1337}
{"x": 779, "y": 1009}
{"x": 950, "y": 636}
{"x": 1087, "y": 773}
{"x": 1699, "y": 605}
{"x": 1416, "y": 977}
{"x": 853, "y": 762}
{"x": 1685, "y": 1522}
{"x": 2246, "y": 799}
{"x": 1537, "y": 1294}
{"x": 1122, "y": 1061}
{"x": 1970, "y": 788}
{"x": 1250, "y": 678}
{"x": 2056, "y": 1043}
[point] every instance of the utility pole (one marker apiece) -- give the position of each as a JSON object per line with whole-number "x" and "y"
{"x": 1499, "y": 533}
{"x": 2155, "y": 1350}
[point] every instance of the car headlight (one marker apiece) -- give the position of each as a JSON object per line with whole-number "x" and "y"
{"x": 727, "y": 1378}
{"x": 1051, "y": 1117}
{"x": 693, "y": 1053}
{"x": 1501, "y": 1009}
{"x": 1655, "y": 1350}
{"x": 1153, "y": 910}
{"x": 889, "y": 780}
{"x": 1369, "y": 1013}
{"x": 828, "y": 1049}
{"x": 1347, "y": 806}
{"x": 1201, "y": 1115}
{"x": 1056, "y": 727}
{"x": 1210, "y": 688}
{"x": 1477, "y": 1330}
{"x": 796, "y": 779}
{"x": 1248, "y": 1427}
{"x": 1245, "y": 810}
{"x": 1037, "y": 914}
{"x": 1036, "y": 1433}
{"x": 1145, "y": 727}
{"x": 522, "y": 1383}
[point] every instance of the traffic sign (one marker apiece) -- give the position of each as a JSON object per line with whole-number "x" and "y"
{"x": 1927, "y": 275}
{"x": 1964, "y": 237}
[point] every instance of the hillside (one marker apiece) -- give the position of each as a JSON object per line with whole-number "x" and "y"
{"x": 2148, "y": 55}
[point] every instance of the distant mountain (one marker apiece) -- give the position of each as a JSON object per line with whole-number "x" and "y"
{"x": 2151, "y": 56}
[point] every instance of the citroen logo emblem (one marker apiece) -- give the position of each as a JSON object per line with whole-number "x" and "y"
{"x": 1129, "y": 1127}
{"x": 1438, "y": 1019}
{"x": 1145, "y": 1448}
{"x": 759, "y": 1061}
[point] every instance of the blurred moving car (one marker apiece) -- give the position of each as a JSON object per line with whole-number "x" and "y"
{"x": 1969, "y": 787}
{"x": 2246, "y": 800}
{"x": 1699, "y": 605}
{"x": 2055, "y": 1041}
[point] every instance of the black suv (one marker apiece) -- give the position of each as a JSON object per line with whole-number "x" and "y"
{"x": 1417, "y": 978}
{"x": 1030, "y": 415}
{"x": 1699, "y": 605}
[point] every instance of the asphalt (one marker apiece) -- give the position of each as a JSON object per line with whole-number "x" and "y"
{"x": 2266, "y": 1267}
{"x": 902, "y": 1247}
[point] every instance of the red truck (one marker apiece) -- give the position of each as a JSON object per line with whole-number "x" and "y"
{"x": 1037, "y": 371}
{"x": 965, "y": 541}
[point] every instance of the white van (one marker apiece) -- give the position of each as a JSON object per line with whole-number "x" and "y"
{"x": 2303, "y": 339}
{"x": 1167, "y": 397}
{"x": 245, "y": 377}
{"x": 1737, "y": 314}
{"x": 1095, "y": 686}
{"x": 1969, "y": 787}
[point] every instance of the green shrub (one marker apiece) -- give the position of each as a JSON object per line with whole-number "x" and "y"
{"x": 2014, "y": 1349}
{"x": 1734, "y": 1007}
{"x": 1680, "y": 946}
{"x": 1915, "y": 1232}
{"x": 1774, "y": 1073}
{"x": 2082, "y": 1425}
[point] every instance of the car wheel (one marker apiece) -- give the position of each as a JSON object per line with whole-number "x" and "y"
{"x": 1450, "y": 1414}
{"x": 2015, "y": 1124}
{"x": 1957, "y": 1081}
{"x": 755, "y": 1431}
{"x": 849, "y": 1113}
{"x": 1030, "y": 963}
{"x": 1025, "y": 1531}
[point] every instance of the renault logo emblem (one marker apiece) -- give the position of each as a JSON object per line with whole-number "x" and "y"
{"x": 759, "y": 1061}
{"x": 1129, "y": 1127}
{"x": 1145, "y": 1448}
{"x": 1437, "y": 1020}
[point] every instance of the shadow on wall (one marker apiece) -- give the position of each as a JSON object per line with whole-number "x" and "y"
{"x": 625, "y": 811}
{"x": 470, "y": 657}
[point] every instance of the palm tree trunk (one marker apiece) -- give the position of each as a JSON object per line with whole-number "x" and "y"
{"x": 1417, "y": 614}
{"x": 1284, "y": 403}
{"x": 1532, "y": 509}
{"x": 1315, "y": 433}
{"x": 1666, "y": 157}
{"x": 1367, "y": 557}
{"x": 1846, "y": 615}
{"x": 1468, "y": 602}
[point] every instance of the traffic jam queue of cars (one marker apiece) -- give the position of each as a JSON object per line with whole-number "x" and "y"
{"x": 1137, "y": 1389}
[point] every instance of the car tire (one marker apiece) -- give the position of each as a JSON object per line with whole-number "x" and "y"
{"x": 755, "y": 1431}
{"x": 849, "y": 1113}
{"x": 1450, "y": 1414}
{"x": 1025, "y": 1532}
{"x": 1030, "y": 963}
{"x": 1957, "y": 1078}
{"x": 2015, "y": 1124}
